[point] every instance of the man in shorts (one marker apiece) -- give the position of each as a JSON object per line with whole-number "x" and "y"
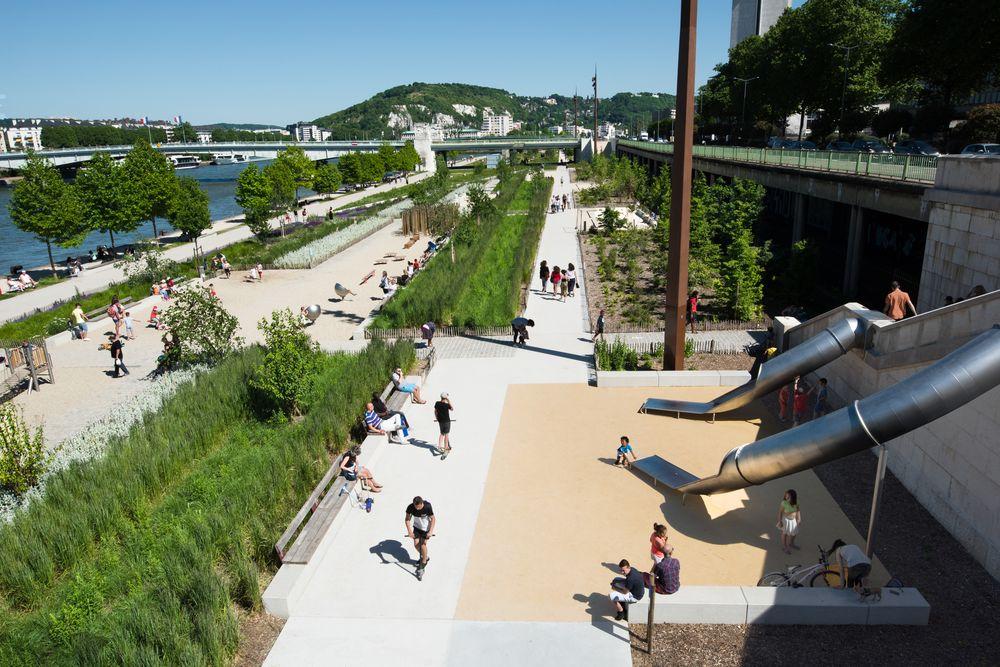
{"x": 442, "y": 413}
{"x": 420, "y": 522}
{"x": 626, "y": 590}
{"x": 406, "y": 387}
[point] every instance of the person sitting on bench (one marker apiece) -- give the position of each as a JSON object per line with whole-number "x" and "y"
{"x": 626, "y": 590}
{"x": 352, "y": 470}
{"x": 406, "y": 387}
{"x": 379, "y": 426}
{"x": 383, "y": 411}
{"x": 667, "y": 573}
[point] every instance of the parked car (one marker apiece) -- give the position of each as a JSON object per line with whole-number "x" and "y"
{"x": 914, "y": 147}
{"x": 985, "y": 150}
{"x": 802, "y": 146}
{"x": 869, "y": 146}
{"x": 778, "y": 142}
{"x": 840, "y": 146}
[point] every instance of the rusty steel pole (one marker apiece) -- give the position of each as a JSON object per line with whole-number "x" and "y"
{"x": 680, "y": 198}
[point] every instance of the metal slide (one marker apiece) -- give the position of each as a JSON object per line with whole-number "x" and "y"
{"x": 933, "y": 392}
{"x": 834, "y": 341}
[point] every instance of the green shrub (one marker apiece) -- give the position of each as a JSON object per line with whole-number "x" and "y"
{"x": 23, "y": 459}
{"x": 56, "y": 325}
{"x": 283, "y": 380}
{"x": 203, "y": 330}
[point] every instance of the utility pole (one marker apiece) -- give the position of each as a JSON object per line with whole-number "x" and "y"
{"x": 843, "y": 92}
{"x": 680, "y": 200}
{"x": 575, "y": 110}
{"x": 595, "y": 110}
{"x": 743, "y": 115}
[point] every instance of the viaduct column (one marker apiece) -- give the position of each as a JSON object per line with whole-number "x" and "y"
{"x": 852, "y": 265}
{"x": 798, "y": 217}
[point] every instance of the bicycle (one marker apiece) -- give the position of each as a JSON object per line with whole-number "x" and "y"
{"x": 796, "y": 576}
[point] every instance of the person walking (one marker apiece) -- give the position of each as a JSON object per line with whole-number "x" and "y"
{"x": 420, "y": 522}
{"x": 691, "y": 311}
{"x": 80, "y": 321}
{"x": 822, "y": 405}
{"x": 571, "y": 279}
{"x": 442, "y": 414}
{"x": 599, "y": 327}
{"x": 543, "y": 274}
{"x": 556, "y": 278}
{"x": 520, "y": 326}
{"x": 897, "y": 302}
{"x": 789, "y": 518}
{"x": 115, "y": 312}
{"x": 800, "y": 404}
{"x": 658, "y": 542}
{"x": 117, "y": 356}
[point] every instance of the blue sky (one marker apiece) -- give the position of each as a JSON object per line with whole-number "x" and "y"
{"x": 278, "y": 62}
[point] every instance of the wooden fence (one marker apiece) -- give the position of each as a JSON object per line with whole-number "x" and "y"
{"x": 700, "y": 347}
{"x": 705, "y": 324}
{"x": 414, "y": 332}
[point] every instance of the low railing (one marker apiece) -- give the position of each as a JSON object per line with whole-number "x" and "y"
{"x": 704, "y": 324}
{"x": 414, "y": 332}
{"x": 877, "y": 165}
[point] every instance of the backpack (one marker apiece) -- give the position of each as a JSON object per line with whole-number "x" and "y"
{"x": 112, "y": 312}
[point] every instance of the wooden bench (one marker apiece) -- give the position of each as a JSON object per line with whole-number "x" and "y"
{"x": 98, "y": 312}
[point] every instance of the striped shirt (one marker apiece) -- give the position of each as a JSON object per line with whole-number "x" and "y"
{"x": 372, "y": 419}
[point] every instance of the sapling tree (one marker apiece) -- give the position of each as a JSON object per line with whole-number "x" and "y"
{"x": 290, "y": 364}
{"x": 203, "y": 331}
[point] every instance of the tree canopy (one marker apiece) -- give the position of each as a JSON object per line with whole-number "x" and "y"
{"x": 253, "y": 194}
{"x": 109, "y": 199}
{"x": 328, "y": 179}
{"x": 188, "y": 209}
{"x": 151, "y": 175}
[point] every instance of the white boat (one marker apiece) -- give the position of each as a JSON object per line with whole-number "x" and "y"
{"x": 224, "y": 158}
{"x": 184, "y": 161}
{"x": 239, "y": 157}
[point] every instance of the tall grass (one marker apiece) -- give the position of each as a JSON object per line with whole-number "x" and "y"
{"x": 152, "y": 574}
{"x": 435, "y": 291}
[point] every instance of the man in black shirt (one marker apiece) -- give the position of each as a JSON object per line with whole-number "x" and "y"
{"x": 520, "y": 326}
{"x": 442, "y": 413}
{"x": 420, "y": 522}
{"x": 626, "y": 590}
{"x": 117, "y": 357}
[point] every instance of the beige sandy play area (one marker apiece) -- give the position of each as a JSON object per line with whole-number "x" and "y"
{"x": 557, "y": 515}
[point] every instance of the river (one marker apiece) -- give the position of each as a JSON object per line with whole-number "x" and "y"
{"x": 17, "y": 247}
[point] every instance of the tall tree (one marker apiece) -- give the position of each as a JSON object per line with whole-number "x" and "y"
{"x": 185, "y": 133}
{"x": 188, "y": 209}
{"x": 390, "y": 157}
{"x": 44, "y": 205}
{"x": 299, "y": 166}
{"x": 253, "y": 194}
{"x": 408, "y": 157}
{"x": 110, "y": 203}
{"x": 151, "y": 174}
{"x": 328, "y": 179}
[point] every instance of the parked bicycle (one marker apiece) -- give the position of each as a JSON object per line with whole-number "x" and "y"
{"x": 798, "y": 576}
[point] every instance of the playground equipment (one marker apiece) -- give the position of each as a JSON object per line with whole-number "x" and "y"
{"x": 933, "y": 392}
{"x": 313, "y": 312}
{"x": 342, "y": 291}
{"x": 834, "y": 341}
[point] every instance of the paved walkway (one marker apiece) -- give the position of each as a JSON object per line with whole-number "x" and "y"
{"x": 361, "y": 595}
{"x": 222, "y": 234}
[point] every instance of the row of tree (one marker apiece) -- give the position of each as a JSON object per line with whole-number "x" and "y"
{"x": 273, "y": 190}
{"x": 107, "y": 196}
{"x": 838, "y": 58}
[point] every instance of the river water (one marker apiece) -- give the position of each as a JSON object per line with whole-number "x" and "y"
{"x": 17, "y": 247}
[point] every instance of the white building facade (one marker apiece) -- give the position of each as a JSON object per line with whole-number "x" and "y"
{"x": 306, "y": 132}
{"x": 23, "y": 138}
{"x": 497, "y": 125}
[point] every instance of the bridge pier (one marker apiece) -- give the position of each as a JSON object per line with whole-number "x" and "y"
{"x": 855, "y": 237}
{"x": 798, "y": 216}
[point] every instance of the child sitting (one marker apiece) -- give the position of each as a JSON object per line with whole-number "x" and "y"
{"x": 624, "y": 451}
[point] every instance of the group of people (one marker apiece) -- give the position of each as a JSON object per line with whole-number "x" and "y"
{"x": 563, "y": 281}
{"x": 797, "y": 396}
{"x": 380, "y": 420}
{"x": 164, "y": 288}
{"x": 256, "y": 273}
{"x": 559, "y": 203}
{"x": 665, "y": 574}
{"x": 22, "y": 282}
{"x": 220, "y": 263}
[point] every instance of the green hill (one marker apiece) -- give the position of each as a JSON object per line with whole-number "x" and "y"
{"x": 390, "y": 112}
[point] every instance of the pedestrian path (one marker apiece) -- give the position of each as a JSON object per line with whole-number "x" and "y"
{"x": 361, "y": 594}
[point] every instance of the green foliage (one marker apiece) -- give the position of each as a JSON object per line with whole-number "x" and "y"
{"x": 147, "y": 265}
{"x": 203, "y": 330}
{"x": 23, "y": 458}
{"x": 408, "y": 157}
{"x": 611, "y": 221}
{"x": 479, "y": 168}
{"x": 361, "y": 167}
{"x": 982, "y": 126}
{"x": 140, "y": 557}
{"x": 253, "y": 194}
{"x": 44, "y": 205}
{"x": 615, "y": 356}
{"x": 290, "y": 363}
{"x": 614, "y": 178}
{"x": 188, "y": 209}
{"x": 151, "y": 175}
{"x": 328, "y": 179}
{"x": 225, "y": 134}
{"x": 492, "y": 259}
{"x": 69, "y": 136}
{"x": 481, "y": 206}
{"x": 108, "y": 196}
{"x": 688, "y": 348}
{"x": 301, "y": 168}
{"x": 184, "y": 132}
{"x": 282, "y": 187}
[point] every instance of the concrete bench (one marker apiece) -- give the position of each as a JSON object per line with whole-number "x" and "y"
{"x": 765, "y": 605}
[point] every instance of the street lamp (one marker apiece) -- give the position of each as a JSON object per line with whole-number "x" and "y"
{"x": 743, "y": 115}
{"x": 843, "y": 92}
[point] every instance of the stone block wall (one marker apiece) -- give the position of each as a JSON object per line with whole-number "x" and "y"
{"x": 963, "y": 230}
{"x": 952, "y": 465}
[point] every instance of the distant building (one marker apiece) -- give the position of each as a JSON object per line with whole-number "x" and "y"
{"x": 606, "y": 131}
{"x": 436, "y": 132}
{"x": 3, "y": 143}
{"x": 497, "y": 125}
{"x": 308, "y": 132}
{"x": 555, "y": 129}
{"x": 754, "y": 17}
{"x": 204, "y": 136}
{"x": 23, "y": 138}
{"x": 273, "y": 130}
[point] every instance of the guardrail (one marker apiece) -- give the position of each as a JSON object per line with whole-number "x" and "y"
{"x": 919, "y": 168}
